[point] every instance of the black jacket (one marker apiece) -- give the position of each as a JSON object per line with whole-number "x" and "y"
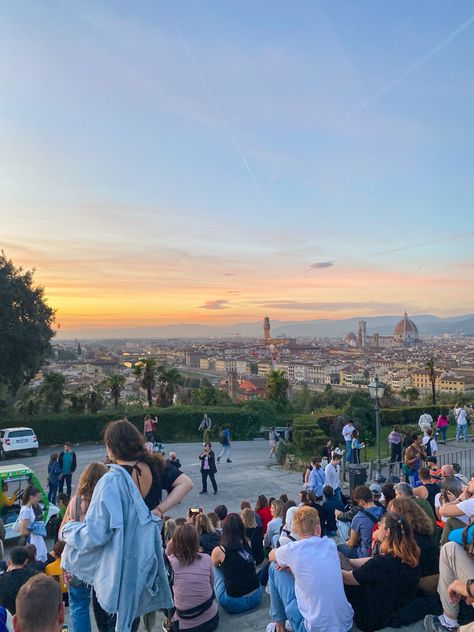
{"x": 212, "y": 462}
{"x": 10, "y": 584}
{"x": 73, "y": 462}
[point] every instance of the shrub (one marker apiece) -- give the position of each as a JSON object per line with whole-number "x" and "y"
{"x": 409, "y": 414}
{"x": 308, "y": 438}
{"x": 176, "y": 423}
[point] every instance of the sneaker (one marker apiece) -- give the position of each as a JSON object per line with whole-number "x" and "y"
{"x": 218, "y": 459}
{"x": 228, "y": 461}
{"x": 433, "y": 624}
{"x": 203, "y": 492}
{"x": 215, "y": 492}
{"x": 288, "y": 627}
{"x": 271, "y": 627}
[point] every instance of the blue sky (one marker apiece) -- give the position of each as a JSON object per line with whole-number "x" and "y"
{"x": 165, "y": 162}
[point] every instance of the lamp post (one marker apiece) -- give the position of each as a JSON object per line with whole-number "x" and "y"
{"x": 376, "y": 390}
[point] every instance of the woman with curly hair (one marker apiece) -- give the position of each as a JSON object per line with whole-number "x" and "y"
{"x": 378, "y": 586}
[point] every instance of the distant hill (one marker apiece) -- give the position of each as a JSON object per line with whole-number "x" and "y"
{"x": 428, "y": 325}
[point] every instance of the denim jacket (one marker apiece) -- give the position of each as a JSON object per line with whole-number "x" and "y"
{"x": 118, "y": 551}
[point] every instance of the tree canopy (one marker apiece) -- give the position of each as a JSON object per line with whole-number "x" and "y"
{"x": 26, "y": 325}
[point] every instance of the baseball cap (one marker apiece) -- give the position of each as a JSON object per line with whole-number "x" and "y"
{"x": 375, "y": 489}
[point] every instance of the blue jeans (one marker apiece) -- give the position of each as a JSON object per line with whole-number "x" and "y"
{"x": 348, "y": 451}
{"x": 338, "y": 494}
{"x": 52, "y": 491}
{"x": 79, "y": 603}
{"x": 461, "y": 430}
{"x": 443, "y": 431}
{"x": 283, "y": 604}
{"x": 233, "y": 605}
{"x": 343, "y": 530}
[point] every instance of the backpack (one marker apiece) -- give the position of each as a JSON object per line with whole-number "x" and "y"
{"x": 428, "y": 447}
{"x": 375, "y": 526}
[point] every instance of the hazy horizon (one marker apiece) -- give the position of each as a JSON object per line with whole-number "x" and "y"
{"x": 210, "y": 163}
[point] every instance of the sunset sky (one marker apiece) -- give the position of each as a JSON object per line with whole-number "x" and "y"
{"x": 209, "y": 162}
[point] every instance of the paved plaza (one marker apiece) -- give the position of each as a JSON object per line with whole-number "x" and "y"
{"x": 251, "y": 473}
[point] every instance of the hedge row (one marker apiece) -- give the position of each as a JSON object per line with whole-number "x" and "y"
{"x": 409, "y": 414}
{"x": 177, "y": 423}
{"x": 308, "y": 438}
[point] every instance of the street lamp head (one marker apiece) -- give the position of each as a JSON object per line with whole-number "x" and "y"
{"x": 376, "y": 389}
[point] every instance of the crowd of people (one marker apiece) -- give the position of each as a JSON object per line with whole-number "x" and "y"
{"x": 387, "y": 555}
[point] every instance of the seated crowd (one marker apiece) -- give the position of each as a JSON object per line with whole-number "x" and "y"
{"x": 388, "y": 556}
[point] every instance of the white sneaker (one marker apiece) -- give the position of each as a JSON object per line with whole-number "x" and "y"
{"x": 288, "y": 627}
{"x": 271, "y": 627}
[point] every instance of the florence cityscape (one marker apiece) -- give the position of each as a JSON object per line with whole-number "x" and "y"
{"x": 236, "y": 316}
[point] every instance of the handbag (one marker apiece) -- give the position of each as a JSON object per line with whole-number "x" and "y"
{"x": 16, "y": 526}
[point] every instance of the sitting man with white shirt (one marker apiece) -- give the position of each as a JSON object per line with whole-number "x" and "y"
{"x": 305, "y": 581}
{"x": 459, "y": 510}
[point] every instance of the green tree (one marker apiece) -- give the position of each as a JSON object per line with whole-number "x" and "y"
{"x": 209, "y": 395}
{"x": 430, "y": 366}
{"x": 52, "y": 391}
{"x": 411, "y": 393}
{"x": 169, "y": 383}
{"x": 115, "y": 384}
{"x": 146, "y": 373}
{"x": 276, "y": 390}
{"x": 25, "y": 325}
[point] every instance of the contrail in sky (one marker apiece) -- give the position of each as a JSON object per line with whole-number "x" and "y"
{"x": 220, "y": 114}
{"x": 462, "y": 27}
{"x": 425, "y": 243}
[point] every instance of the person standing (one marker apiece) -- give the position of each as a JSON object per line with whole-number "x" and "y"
{"x": 226, "y": 444}
{"x": 347, "y": 434}
{"x": 273, "y": 438}
{"x": 332, "y": 473}
{"x": 460, "y": 416}
{"x": 204, "y": 427}
{"x": 54, "y": 472}
{"x": 413, "y": 457}
{"x": 68, "y": 464}
{"x": 149, "y": 428}
{"x": 442, "y": 425}
{"x": 316, "y": 478}
{"x": 425, "y": 422}
{"x": 395, "y": 442}
{"x": 27, "y": 518}
{"x": 357, "y": 446}
{"x": 208, "y": 468}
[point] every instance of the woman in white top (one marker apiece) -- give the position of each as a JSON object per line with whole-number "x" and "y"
{"x": 31, "y": 497}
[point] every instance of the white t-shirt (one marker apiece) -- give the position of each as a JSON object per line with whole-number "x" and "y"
{"x": 319, "y": 590}
{"x": 467, "y": 507}
{"x": 27, "y": 513}
{"x": 331, "y": 474}
{"x": 347, "y": 432}
{"x": 461, "y": 416}
{"x": 433, "y": 444}
{"x": 425, "y": 421}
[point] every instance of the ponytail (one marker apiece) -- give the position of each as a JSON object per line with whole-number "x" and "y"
{"x": 400, "y": 542}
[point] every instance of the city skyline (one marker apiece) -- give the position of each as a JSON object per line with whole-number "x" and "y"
{"x": 209, "y": 163}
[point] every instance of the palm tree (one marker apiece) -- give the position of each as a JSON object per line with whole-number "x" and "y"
{"x": 115, "y": 384}
{"x": 431, "y": 368}
{"x": 145, "y": 371}
{"x": 170, "y": 381}
{"x": 52, "y": 391}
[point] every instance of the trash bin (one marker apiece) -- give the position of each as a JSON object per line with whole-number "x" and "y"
{"x": 357, "y": 475}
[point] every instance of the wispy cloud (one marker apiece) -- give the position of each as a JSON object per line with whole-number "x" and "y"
{"x": 332, "y": 306}
{"x": 319, "y": 265}
{"x": 220, "y": 303}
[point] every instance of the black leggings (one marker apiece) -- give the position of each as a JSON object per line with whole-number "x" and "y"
{"x": 207, "y": 626}
{"x": 204, "y": 475}
{"x": 106, "y": 622}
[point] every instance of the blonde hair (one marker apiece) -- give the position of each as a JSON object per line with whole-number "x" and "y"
{"x": 305, "y": 521}
{"x": 248, "y": 518}
{"x": 277, "y": 506}
{"x": 203, "y": 524}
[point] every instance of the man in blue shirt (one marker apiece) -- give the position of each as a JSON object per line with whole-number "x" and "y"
{"x": 225, "y": 443}
{"x": 68, "y": 463}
